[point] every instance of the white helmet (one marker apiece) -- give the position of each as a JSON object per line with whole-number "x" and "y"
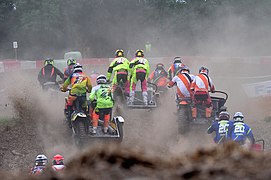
{"x": 41, "y": 160}
{"x": 238, "y": 116}
{"x": 77, "y": 68}
{"x": 101, "y": 79}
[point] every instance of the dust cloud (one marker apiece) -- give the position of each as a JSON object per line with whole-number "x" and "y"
{"x": 152, "y": 132}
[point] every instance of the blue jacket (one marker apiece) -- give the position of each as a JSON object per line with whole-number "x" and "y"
{"x": 221, "y": 128}
{"x": 240, "y": 132}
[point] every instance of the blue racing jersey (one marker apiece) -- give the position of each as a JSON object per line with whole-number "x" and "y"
{"x": 240, "y": 132}
{"x": 221, "y": 128}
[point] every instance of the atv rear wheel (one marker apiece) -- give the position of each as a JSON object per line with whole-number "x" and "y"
{"x": 183, "y": 120}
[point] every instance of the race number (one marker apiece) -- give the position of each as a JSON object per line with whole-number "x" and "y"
{"x": 120, "y": 61}
{"x": 142, "y": 61}
{"x": 223, "y": 128}
{"x": 239, "y": 129}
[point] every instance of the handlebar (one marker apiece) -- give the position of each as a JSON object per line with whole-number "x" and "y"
{"x": 154, "y": 85}
{"x": 222, "y": 92}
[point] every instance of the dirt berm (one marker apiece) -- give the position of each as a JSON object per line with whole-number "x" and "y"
{"x": 228, "y": 162}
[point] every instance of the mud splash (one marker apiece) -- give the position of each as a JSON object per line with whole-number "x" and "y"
{"x": 111, "y": 162}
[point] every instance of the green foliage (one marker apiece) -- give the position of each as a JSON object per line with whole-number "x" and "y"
{"x": 50, "y": 27}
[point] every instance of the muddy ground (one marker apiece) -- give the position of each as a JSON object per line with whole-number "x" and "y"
{"x": 32, "y": 123}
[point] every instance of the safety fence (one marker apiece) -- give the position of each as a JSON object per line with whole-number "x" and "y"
{"x": 8, "y": 65}
{"x": 257, "y": 85}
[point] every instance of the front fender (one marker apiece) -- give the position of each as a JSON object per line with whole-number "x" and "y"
{"x": 79, "y": 114}
{"x": 119, "y": 118}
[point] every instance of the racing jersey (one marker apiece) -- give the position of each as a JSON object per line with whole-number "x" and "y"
{"x": 80, "y": 83}
{"x": 59, "y": 167}
{"x": 173, "y": 69}
{"x": 102, "y": 93}
{"x": 222, "y": 130}
{"x": 159, "y": 77}
{"x": 37, "y": 170}
{"x": 183, "y": 82}
{"x": 118, "y": 64}
{"x": 202, "y": 82}
{"x": 240, "y": 132}
{"x": 48, "y": 74}
{"x": 140, "y": 63}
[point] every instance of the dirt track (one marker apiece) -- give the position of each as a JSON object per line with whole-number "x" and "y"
{"x": 38, "y": 128}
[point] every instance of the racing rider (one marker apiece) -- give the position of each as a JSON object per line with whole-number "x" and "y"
{"x": 103, "y": 95}
{"x": 159, "y": 77}
{"x": 39, "y": 165}
{"x": 140, "y": 70}
{"x": 69, "y": 69}
{"x": 221, "y": 128}
{"x": 174, "y": 68}
{"x": 120, "y": 67}
{"x": 58, "y": 163}
{"x": 241, "y": 131}
{"x": 183, "y": 81}
{"x": 48, "y": 74}
{"x": 200, "y": 94}
{"x": 80, "y": 85}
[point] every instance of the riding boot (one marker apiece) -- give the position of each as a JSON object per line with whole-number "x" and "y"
{"x": 145, "y": 98}
{"x": 194, "y": 112}
{"x": 131, "y": 98}
{"x": 208, "y": 112}
{"x": 93, "y": 130}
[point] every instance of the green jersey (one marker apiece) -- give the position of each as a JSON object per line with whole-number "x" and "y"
{"x": 103, "y": 95}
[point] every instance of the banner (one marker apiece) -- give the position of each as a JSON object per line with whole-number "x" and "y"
{"x": 258, "y": 89}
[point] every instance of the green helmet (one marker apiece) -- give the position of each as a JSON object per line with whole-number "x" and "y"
{"x": 49, "y": 61}
{"x": 71, "y": 61}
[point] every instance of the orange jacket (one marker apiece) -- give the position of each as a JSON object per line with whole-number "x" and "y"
{"x": 183, "y": 82}
{"x": 202, "y": 82}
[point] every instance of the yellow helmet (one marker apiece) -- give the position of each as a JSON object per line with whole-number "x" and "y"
{"x": 119, "y": 53}
{"x": 139, "y": 53}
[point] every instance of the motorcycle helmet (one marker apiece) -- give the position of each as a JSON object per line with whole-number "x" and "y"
{"x": 119, "y": 53}
{"x": 160, "y": 66}
{"x": 177, "y": 60}
{"x": 77, "y": 68}
{"x": 184, "y": 68}
{"x": 58, "y": 160}
{"x": 238, "y": 116}
{"x": 203, "y": 70}
{"x": 71, "y": 61}
{"x": 224, "y": 115}
{"x": 41, "y": 160}
{"x": 139, "y": 53}
{"x": 101, "y": 79}
{"x": 49, "y": 61}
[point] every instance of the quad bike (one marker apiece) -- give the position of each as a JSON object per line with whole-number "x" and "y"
{"x": 52, "y": 89}
{"x": 51, "y": 86}
{"x": 79, "y": 120}
{"x": 184, "y": 112}
{"x": 153, "y": 97}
